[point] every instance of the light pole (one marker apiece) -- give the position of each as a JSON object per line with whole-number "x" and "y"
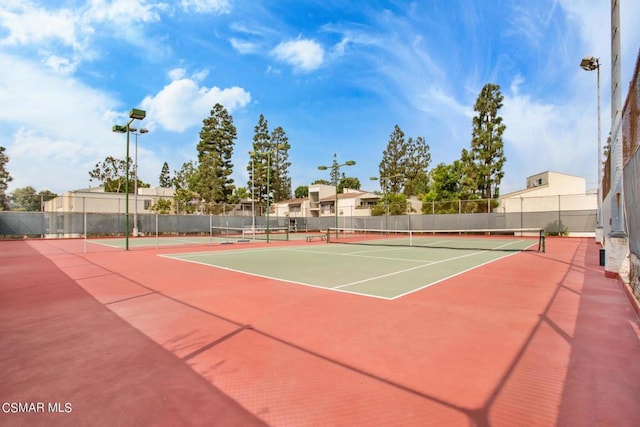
{"x": 135, "y": 177}
{"x": 134, "y": 114}
{"x": 591, "y": 63}
{"x": 268, "y": 153}
{"x": 253, "y": 184}
{"x": 337, "y": 168}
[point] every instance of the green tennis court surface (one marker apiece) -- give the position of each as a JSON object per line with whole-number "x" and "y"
{"x": 382, "y": 272}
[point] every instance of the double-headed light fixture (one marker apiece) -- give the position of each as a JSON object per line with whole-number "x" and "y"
{"x": 134, "y": 114}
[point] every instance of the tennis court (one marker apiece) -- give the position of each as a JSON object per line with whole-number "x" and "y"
{"x": 217, "y": 236}
{"x": 225, "y": 334}
{"x": 370, "y": 262}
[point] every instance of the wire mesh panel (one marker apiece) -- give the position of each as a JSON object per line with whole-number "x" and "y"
{"x": 632, "y": 202}
{"x": 14, "y": 224}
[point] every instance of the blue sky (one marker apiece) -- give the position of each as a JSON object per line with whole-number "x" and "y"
{"x": 336, "y": 75}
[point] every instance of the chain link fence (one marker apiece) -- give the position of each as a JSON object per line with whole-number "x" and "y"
{"x": 70, "y": 224}
{"x": 631, "y": 176}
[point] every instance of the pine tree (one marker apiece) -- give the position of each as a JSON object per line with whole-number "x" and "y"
{"x": 392, "y": 167}
{"x": 405, "y": 163}
{"x": 257, "y": 167}
{"x": 335, "y": 171}
{"x": 272, "y": 151}
{"x": 417, "y": 167}
{"x": 165, "y": 176}
{"x": 280, "y": 180}
{"x": 215, "y": 149}
{"x": 485, "y": 161}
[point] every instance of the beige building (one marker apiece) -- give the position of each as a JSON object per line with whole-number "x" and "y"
{"x": 558, "y": 200}
{"x": 96, "y": 200}
{"x": 322, "y": 203}
{"x": 550, "y": 191}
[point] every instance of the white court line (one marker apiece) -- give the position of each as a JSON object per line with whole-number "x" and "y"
{"x": 264, "y": 276}
{"x": 103, "y": 244}
{"x": 451, "y": 276}
{"x": 211, "y": 253}
{"x": 422, "y": 266}
{"x": 180, "y": 257}
{"x": 356, "y": 254}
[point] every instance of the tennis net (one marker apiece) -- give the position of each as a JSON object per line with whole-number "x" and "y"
{"x": 519, "y": 239}
{"x": 251, "y": 233}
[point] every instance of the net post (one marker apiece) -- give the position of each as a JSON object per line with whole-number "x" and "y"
{"x": 542, "y": 245}
{"x": 328, "y": 235}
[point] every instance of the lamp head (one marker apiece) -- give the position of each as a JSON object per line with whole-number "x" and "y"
{"x": 589, "y": 63}
{"x": 119, "y": 129}
{"x": 349, "y": 163}
{"x": 137, "y": 114}
{"x": 322, "y": 168}
{"x": 144, "y": 130}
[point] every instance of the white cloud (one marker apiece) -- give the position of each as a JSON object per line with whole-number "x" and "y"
{"x": 207, "y": 6}
{"x": 541, "y": 137}
{"x": 26, "y": 24}
{"x": 123, "y": 12}
{"x": 177, "y": 73}
{"x": 243, "y": 46}
{"x": 182, "y": 103}
{"x": 302, "y": 54}
{"x": 61, "y": 65}
{"x": 54, "y": 126}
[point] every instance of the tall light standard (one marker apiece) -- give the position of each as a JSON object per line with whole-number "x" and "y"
{"x": 134, "y": 114}
{"x": 253, "y": 185}
{"x": 386, "y": 194}
{"x": 591, "y": 63}
{"x": 337, "y": 168}
{"x": 135, "y": 177}
{"x": 268, "y": 153}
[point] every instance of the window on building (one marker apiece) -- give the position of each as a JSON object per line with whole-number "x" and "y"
{"x": 326, "y": 208}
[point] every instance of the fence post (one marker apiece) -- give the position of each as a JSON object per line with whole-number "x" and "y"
{"x": 84, "y": 225}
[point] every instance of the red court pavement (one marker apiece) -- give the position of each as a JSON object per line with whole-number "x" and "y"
{"x": 130, "y": 338}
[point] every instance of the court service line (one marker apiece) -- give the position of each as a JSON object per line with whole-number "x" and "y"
{"x": 418, "y": 267}
{"x": 211, "y": 253}
{"x": 355, "y": 255}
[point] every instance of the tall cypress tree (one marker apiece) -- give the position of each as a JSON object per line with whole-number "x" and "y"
{"x": 272, "y": 150}
{"x": 280, "y": 180}
{"x": 485, "y": 160}
{"x": 215, "y": 148}
{"x": 257, "y": 167}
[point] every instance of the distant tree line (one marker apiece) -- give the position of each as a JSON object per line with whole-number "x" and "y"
{"x": 403, "y": 170}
